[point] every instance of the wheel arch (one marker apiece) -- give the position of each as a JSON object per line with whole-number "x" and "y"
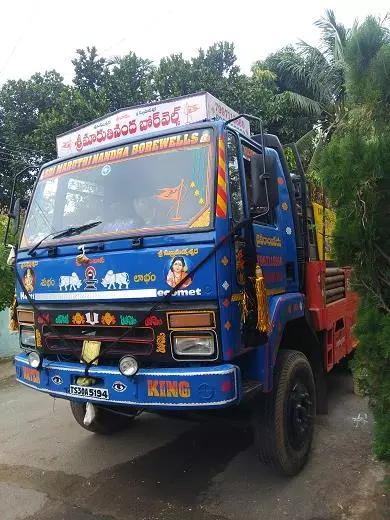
{"x": 299, "y": 335}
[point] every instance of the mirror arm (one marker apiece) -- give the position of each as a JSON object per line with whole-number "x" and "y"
{"x": 11, "y": 215}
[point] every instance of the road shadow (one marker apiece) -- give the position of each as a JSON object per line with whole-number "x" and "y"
{"x": 168, "y": 480}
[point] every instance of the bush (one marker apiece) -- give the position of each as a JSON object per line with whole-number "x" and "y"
{"x": 7, "y": 277}
{"x": 371, "y": 367}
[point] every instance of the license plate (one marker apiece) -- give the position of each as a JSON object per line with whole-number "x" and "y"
{"x": 91, "y": 349}
{"x": 87, "y": 391}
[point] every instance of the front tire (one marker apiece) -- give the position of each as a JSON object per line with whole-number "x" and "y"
{"x": 105, "y": 421}
{"x": 284, "y": 419}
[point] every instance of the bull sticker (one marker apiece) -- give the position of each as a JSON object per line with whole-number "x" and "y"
{"x": 72, "y": 282}
{"x": 113, "y": 280}
{"x": 90, "y": 278}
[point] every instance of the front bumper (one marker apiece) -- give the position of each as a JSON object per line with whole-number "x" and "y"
{"x": 178, "y": 388}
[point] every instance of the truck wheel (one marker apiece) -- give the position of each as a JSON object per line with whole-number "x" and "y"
{"x": 104, "y": 423}
{"x": 284, "y": 419}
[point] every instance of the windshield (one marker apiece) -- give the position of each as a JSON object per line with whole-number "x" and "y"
{"x": 149, "y": 187}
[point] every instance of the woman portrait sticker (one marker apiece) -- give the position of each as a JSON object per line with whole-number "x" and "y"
{"x": 177, "y": 271}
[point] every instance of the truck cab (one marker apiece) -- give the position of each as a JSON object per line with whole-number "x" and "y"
{"x": 167, "y": 268}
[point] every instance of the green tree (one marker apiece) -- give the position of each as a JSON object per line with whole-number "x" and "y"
{"x": 7, "y": 285}
{"x": 356, "y": 170}
{"x": 173, "y": 77}
{"x": 313, "y": 81}
{"x": 89, "y": 69}
{"x": 129, "y": 81}
{"x": 22, "y": 103}
{"x": 71, "y": 109}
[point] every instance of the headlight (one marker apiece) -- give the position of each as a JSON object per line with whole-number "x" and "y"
{"x": 34, "y": 359}
{"x": 128, "y": 366}
{"x": 27, "y": 337}
{"x": 194, "y": 345}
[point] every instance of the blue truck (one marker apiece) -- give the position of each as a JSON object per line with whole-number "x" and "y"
{"x": 166, "y": 264}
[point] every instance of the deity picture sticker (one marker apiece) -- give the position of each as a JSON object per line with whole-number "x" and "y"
{"x": 178, "y": 269}
{"x": 29, "y": 280}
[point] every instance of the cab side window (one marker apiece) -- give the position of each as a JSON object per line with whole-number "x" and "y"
{"x": 248, "y": 152}
{"x": 237, "y": 203}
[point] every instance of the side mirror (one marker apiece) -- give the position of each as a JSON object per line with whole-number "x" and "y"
{"x": 297, "y": 184}
{"x": 15, "y": 215}
{"x": 264, "y": 183}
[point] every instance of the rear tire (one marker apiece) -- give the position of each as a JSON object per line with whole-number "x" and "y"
{"x": 105, "y": 421}
{"x": 284, "y": 418}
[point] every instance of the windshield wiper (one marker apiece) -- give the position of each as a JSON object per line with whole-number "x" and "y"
{"x": 68, "y": 232}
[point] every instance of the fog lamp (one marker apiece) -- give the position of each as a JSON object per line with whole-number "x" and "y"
{"x": 128, "y": 366}
{"x": 34, "y": 359}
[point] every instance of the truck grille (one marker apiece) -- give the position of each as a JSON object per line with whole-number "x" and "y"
{"x": 138, "y": 340}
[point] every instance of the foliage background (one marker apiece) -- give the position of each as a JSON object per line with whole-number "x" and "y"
{"x": 333, "y": 100}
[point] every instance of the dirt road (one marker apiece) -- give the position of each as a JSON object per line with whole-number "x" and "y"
{"x": 50, "y": 468}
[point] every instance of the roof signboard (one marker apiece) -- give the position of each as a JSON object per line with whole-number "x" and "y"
{"x": 145, "y": 119}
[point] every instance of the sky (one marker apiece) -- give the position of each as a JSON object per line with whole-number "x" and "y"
{"x": 40, "y": 35}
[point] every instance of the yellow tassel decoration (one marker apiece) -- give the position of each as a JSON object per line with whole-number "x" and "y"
{"x": 13, "y": 323}
{"x": 263, "y": 323}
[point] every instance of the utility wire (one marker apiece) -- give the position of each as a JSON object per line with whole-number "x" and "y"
{"x": 18, "y": 148}
{"x": 22, "y": 154}
{"x": 30, "y": 20}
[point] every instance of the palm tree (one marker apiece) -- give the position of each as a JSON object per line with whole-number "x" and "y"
{"x": 312, "y": 79}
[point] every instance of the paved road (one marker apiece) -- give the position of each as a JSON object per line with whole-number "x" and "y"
{"x": 51, "y": 469}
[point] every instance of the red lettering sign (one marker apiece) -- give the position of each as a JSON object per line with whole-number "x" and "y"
{"x": 163, "y": 388}
{"x": 31, "y": 374}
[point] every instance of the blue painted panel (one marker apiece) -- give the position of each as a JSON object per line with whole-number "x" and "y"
{"x": 283, "y": 308}
{"x": 143, "y": 274}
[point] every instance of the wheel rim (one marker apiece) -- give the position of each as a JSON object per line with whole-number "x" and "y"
{"x": 299, "y": 413}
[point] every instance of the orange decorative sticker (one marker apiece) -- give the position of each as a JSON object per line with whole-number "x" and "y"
{"x": 31, "y": 374}
{"x": 38, "y": 338}
{"x": 78, "y": 319}
{"x": 164, "y": 388}
{"x": 161, "y": 343}
{"x": 221, "y": 208}
{"x": 108, "y": 319}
